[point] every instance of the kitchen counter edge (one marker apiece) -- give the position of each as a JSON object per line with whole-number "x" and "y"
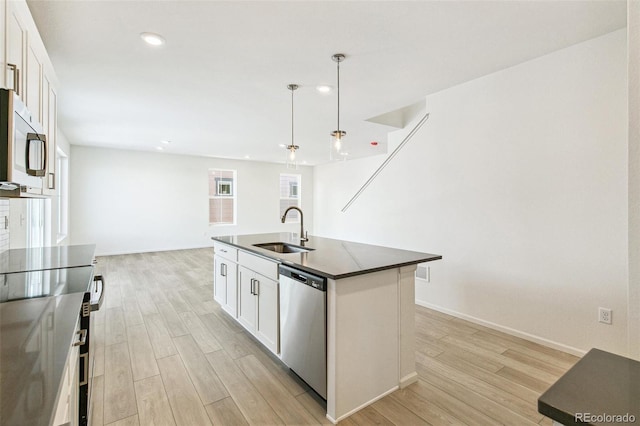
{"x": 427, "y": 257}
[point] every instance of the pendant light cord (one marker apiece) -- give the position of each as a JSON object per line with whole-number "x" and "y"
{"x": 292, "y": 90}
{"x": 338, "y": 62}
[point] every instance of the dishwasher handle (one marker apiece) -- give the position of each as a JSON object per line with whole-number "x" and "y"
{"x": 299, "y": 277}
{"x": 315, "y": 281}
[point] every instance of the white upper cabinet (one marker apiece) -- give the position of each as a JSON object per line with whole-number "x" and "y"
{"x": 50, "y": 126}
{"x": 28, "y": 71}
{"x": 33, "y": 83}
{"x": 15, "y": 35}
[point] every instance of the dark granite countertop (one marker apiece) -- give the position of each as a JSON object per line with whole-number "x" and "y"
{"x": 600, "y": 384}
{"x": 50, "y": 282}
{"x": 334, "y": 259}
{"x": 36, "y": 259}
{"x": 36, "y": 336}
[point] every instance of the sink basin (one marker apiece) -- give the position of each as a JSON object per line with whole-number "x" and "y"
{"x": 280, "y": 247}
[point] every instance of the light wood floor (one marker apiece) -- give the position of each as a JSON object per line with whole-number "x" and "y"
{"x": 167, "y": 355}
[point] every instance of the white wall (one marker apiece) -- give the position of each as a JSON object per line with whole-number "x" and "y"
{"x": 128, "y": 201}
{"x": 519, "y": 179}
{"x": 633, "y": 28}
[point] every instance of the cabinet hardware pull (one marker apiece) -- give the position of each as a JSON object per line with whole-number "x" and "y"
{"x": 16, "y": 77}
{"x": 40, "y": 138}
{"x": 256, "y": 288}
{"x": 251, "y": 288}
{"x": 98, "y": 303}
{"x": 52, "y": 181}
{"x": 85, "y": 370}
{"x": 83, "y": 337}
{"x": 223, "y": 270}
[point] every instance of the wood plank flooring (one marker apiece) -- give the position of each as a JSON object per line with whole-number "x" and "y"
{"x": 166, "y": 354}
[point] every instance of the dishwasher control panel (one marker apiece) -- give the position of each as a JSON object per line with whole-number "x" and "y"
{"x": 319, "y": 283}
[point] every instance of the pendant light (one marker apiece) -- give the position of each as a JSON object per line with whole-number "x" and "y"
{"x": 337, "y": 148}
{"x": 292, "y": 148}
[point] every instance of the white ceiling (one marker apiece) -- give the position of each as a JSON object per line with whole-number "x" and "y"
{"x": 218, "y": 86}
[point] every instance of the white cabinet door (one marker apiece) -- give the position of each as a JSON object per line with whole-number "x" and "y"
{"x": 16, "y": 42}
{"x": 33, "y": 83}
{"x": 225, "y": 284}
{"x": 3, "y": 37}
{"x": 247, "y": 300}
{"x": 231, "y": 272}
{"x": 49, "y": 124}
{"x": 256, "y": 297}
{"x": 267, "y": 324}
{"x": 219, "y": 281}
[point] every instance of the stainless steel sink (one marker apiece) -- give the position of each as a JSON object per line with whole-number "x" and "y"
{"x": 281, "y": 247}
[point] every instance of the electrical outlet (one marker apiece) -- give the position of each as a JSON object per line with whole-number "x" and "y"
{"x": 604, "y": 315}
{"x": 424, "y": 273}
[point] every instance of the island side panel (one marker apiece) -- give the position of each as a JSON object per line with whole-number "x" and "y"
{"x": 362, "y": 341}
{"x": 407, "y": 300}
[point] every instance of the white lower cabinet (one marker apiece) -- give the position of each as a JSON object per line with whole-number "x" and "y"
{"x": 66, "y": 411}
{"x": 258, "y": 307}
{"x": 225, "y": 284}
{"x": 246, "y": 286}
{"x": 248, "y": 306}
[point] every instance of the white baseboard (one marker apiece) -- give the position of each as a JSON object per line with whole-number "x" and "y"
{"x": 409, "y": 379}
{"x": 366, "y": 404}
{"x": 507, "y": 330}
{"x": 154, "y": 250}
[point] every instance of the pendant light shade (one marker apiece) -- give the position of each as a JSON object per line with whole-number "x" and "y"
{"x": 292, "y": 147}
{"x": 338, "y": 150}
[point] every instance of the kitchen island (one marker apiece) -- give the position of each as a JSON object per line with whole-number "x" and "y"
{"x": 370, "y": 312}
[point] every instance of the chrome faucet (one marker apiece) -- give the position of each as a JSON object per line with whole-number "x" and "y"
{"x": 303, "y": 235}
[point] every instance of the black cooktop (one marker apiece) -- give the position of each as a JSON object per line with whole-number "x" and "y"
{"x": 53, "y": 282}
{"x": 42, "y": 258}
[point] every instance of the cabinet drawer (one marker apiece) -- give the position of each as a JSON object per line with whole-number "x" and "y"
{"x": 266, "y": 267}
{"x": 226, "y": 251}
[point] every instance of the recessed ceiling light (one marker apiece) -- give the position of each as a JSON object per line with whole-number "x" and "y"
{"x": 159, "y": 148}
{"x": 282, "y": 145}
{"x": 165, "y": 142}
{"x": 153, "y": 39}
{"x": 246, "y": 157}
{"x": 323, "y": 89}
{"x": 304, "y": 162}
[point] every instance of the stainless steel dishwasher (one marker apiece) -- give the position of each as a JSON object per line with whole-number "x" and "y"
{"x": 303, "y": 326}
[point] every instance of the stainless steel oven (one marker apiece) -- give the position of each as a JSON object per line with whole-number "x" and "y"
{"x": 92, "y": 301}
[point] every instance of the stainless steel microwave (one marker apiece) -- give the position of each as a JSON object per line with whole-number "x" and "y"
{"x": 23, "y": 149}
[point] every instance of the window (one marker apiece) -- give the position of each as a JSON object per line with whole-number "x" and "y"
{"x": 224, "y": 187}
{"x": 62, "y": 186}
{"x": 222, "y": 197}
{"x": 290, "y": 193}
